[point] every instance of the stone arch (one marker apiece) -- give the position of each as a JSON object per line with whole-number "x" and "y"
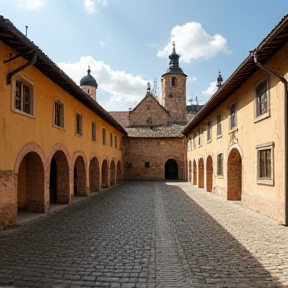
{"x": 189, "y": 171}
{"x": 201, "y": 173}
{"x": 234, "y": 175}
{"x": 59, "y": 178}
{"x": 209, "y": 174}
{"x": 94, "y": 175}
{"x": 104, "y": 170}
{"x": 119, "y": 172}
{"x": 79, "y": 176}
{"x": 194, "y": 172}
{"x": 171, "y": 169}
{"x": 112, "y": 173}
{"x": 31, "y": 184}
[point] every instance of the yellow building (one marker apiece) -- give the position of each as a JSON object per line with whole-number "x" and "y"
{"x": 237, "y": 143}
{"x": 56, "y": 141}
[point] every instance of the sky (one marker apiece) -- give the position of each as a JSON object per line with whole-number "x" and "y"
{"x": 126, "y": 43}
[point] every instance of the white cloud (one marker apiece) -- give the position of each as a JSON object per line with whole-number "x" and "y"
{"x": 91, "y": 5}
{"x": 123, "y": 90}
{"x": 31, "y": 4}
{"x": 192, "y": 42}
{"x": 211, "y": 89}
{"x": 192, "y": 79}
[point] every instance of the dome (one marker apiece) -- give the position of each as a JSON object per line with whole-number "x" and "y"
{"x": 88, "y": 80}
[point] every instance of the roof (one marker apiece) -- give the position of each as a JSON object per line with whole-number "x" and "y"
{"x": 88, "y": 80}
{"x": 121, "y": 117}
{"x": 269, "y": 46}
{"x": 13, "y": 38}
{"x": 173, "y": 131}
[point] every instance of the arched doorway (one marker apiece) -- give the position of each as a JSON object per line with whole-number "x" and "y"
{"x": 119, "y": 173}
{"x": 79, "y": 177}
{"x": 104, "y": 174}
{"x": 59, "y": 179}
{"x": 94, "y": 175}
{"x": 209, "y": 174}
{"x": 234, "y": 175}
{"x": 112, "y": 173}
{"x": 171, "y": 170}
{"x": 201, "y": 173}
{"x": 30, "y": 188}
{"x": 194, "y": 172}
{"x": 189, "y": 171}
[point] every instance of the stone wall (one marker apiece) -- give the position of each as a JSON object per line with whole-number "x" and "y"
{"x": 145, "y": 158}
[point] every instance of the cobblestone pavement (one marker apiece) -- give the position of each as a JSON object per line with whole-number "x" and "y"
{"x": 147, "y": 234}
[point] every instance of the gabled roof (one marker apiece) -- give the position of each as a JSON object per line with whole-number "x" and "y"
{"x": 269, "y": 46}
{"x": 13, "y": 38}
{"x": 153, "y": 99}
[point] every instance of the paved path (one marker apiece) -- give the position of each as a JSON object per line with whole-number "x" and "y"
{"x": 147, "y": 234}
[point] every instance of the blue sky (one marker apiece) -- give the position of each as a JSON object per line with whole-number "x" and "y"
{"x": 127, "y": 42}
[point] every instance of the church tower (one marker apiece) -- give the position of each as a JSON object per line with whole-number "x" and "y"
{"x": 89, "y": 84}
{"x": 174, "y": 90}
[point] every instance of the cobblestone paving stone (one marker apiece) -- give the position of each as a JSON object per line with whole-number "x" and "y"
{"x": 147, "y": 234}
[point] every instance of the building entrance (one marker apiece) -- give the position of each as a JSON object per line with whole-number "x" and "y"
{"x": 171, "y": 170}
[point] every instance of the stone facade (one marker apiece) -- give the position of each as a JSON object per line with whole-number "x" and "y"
{"x": 145, "y": 158}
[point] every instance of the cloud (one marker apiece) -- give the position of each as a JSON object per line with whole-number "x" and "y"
{"x": 192, "y": 79}
{"x": 211, "y": 89}
{"x": 122, "y": 90}
{"x": 31, "y": 4}
{"x": 91, "y": 5}
{"x": 192, "y": 43}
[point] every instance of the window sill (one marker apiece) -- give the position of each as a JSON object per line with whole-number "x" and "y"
{"x": 269, "y": 182}
{"x": 233, "y": 130}
{"x": 78, "y": 135}
{"x": 220, "y": 176}
{"x": 219, "y": 136}
{"x": 59, "y": 127}
{"x": 23, "y": 113}
{"x": 261, "y": 117}
{"x": 208, "y": 141}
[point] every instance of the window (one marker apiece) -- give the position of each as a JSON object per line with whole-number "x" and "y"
{"x": 173, "y": 81}
{"x": 58, "y": 113}
{"x": 261, "y": 100}
{"x": 193, "y": 142}
{"x": 104, "y": 136}
{"x": 147, "y": 164}
{"x": 93, "y": 131}
{"x": 116, "y": 142}
{"x": 79, "y": 124}
{"x": 219, "y": 128}
{"x": 209, "y": 131}
{"x": 111, "y": 140}
{"x": 199, "y": 137}
{"x": 220, "y": 164}
{"x": 233, "y": 116}
{"x": 23, "y": 96}
{"x": 265, "y": 163}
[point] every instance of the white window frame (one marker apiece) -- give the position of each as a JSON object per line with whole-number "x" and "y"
{"x": 261, "y": 116}
{"x": 29, "y": 84}
{"x": 61, "y": 112}
{"x": 78, "y": 124}
{"x": 259, "y": 148}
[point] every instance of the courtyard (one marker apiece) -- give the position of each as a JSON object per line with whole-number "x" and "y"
{"x": 146, "y": 234}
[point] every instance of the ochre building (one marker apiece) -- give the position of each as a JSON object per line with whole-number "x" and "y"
{"x": 237, "y": 143}
{"x": 56, "y": 141}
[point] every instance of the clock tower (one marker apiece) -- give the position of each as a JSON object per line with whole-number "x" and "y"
{"x": 174, "y": 90}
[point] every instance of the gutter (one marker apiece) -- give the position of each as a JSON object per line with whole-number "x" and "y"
{"x": 285, "y": 82}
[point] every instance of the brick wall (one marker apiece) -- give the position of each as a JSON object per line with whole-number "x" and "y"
{"x": 145, "y": 158}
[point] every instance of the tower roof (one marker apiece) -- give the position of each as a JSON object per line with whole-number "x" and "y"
{"x": 88, "y": 80}
{"x": 174, "y": 63}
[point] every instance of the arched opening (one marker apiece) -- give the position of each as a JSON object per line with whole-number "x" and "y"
{"x": 209, "y": 174}
{"x": 94, "y": 175}
{"x": 79, "y": 177}
{"x": 171, "y": 170}
{"x": 189, "y": 171}
{"x": 59, "y": 179}
{"x": 194, "y": 172}
{"x": 104, "y": 183}
{"x": 112, "y": 173}
{"x": 30, "y": 188}
{"x": 234, "y": 175}
{"x": 119, "y": 173}
{"x": 201, "y": 173}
